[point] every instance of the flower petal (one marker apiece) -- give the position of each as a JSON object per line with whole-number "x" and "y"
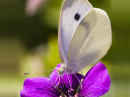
{"x": 70, "y": 80}
{"x": 69, "y": 83}
{"x": 55, "y": 75}
{"x": 38, "y": 87}
{"x": 96, "y": 83}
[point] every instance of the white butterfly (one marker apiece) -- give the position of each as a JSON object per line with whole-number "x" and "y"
{"x": 85, "y": 34}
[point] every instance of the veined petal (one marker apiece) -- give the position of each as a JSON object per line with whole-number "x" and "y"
{"x": 38, "y": 87}
{"x": 69, "y": 83}
{"x": 66, "y": 82}
{"x": 96, "y": 83}
{"x": 68, "y": 79}
{"x": 55, "y": 75}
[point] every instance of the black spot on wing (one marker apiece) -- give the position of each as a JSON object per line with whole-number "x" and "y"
{"x": 77, "y": 16}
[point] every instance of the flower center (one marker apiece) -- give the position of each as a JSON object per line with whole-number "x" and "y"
{"x": 71, "y": 88}
{"x": 65, "y": 92}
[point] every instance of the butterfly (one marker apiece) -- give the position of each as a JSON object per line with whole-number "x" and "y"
{"x": 84, "y": 36}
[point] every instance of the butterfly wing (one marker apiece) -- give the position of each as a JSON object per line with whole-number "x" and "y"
{"x": 68, "y": 24}
{"x": 91, "y": 41}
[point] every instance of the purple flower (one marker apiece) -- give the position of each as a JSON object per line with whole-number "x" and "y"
{"x": 94, "y": 84}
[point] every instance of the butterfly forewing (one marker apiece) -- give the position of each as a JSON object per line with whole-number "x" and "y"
{"x": 72, "y": 13}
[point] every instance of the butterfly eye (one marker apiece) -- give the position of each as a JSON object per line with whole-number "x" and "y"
{"x": 77, "y": 16}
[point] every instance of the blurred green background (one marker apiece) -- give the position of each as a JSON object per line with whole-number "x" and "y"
{"x": 28, "y": 43}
